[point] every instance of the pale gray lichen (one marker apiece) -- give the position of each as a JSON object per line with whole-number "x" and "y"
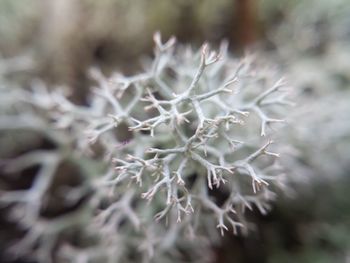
{"x": 197, "y": 155}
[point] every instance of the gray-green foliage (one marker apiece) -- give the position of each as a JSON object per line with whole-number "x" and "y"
{"x": 318, "y": 67}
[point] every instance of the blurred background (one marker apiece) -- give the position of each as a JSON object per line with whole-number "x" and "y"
{"x": 59, "y": 40}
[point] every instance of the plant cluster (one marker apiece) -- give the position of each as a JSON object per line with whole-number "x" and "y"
{"x": 150, "y": 167}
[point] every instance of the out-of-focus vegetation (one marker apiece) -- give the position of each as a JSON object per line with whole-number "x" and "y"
{"x": 310, "y": 39}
